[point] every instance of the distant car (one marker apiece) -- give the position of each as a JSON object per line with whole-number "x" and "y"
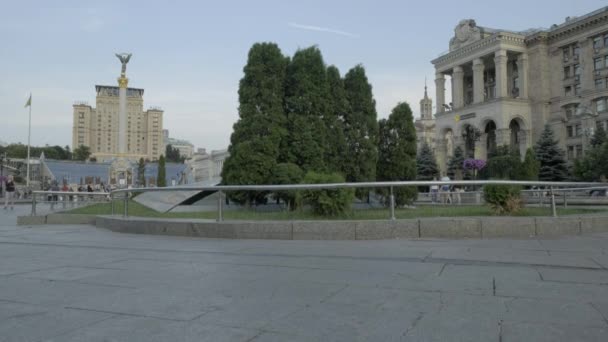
{"x": 597, "y": 193}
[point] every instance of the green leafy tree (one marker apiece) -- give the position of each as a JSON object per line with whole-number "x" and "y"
{"x": 599, "y": 137}
{"x": 141, "y": 172}
{"x": 336, "y": 147}
{"x": 82, "y": 153}
{"x": 161, "y": 176}
{"x": 287, "y": 173}
{"x": 172, "y": 155}
{"x": 397, "y": 152}
{"x": 455, "y": 169}
{"x": 327, "y": 202}
{"x": 551, "y": 158}
{"x": 256, "y": 138}
{"x": 426, "y": 164}
{"x": 530, "y": 167}
{"x": 503, "y": 164}
{"x": 306, "y": 105}
{"x": 361, "y": 129}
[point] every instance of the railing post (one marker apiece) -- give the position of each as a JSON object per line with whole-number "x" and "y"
{"x": 553, "y": 207}
{"x": 565, "y": 200}
{"x": 392, "y": 204}
{"x": 220, "y": 206}
{"x": 33, "y": 204}
{"x": 126, "y": 206}
{"x": 112, "y": 202}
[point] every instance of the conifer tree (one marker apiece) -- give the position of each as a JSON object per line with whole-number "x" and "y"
{"x": 361, "y": 128}
{"x": 306, "y": 105}
{"x": 161, "y": 176}
{"x": 397, "y": 151}
{"x": 426, "y": 164}
{"x": 455, "y": 164}
{"x": 257, "y": 135}
{"x": 141, "y": 172}
{"x": 551, "y": 158}
{"x": 334, "y": 122}
{"x": 599, "y": 137}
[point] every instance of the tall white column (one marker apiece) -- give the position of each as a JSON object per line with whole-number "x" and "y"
{"x": 458, "y": 87}
{"x": 478, "y": 85}
{"x": 522, "y": 71}
{"x": 440, "y": 91}
{"x": 122, "y": 115}
{"x": 500, "y": 60}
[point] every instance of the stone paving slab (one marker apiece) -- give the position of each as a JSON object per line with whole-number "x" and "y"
{"x": 81, "y": 283}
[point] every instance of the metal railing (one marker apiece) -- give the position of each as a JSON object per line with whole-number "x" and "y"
{"x": 67, "y": 198}
{"x": 550, "y": 187}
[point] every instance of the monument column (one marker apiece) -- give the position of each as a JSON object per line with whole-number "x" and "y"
{"x": 440, "y": 91}
{"x": 522, "y": 71}
{"x": 123, "y": 83}
{"x": 458, "y": 87}
{"x": 478, "y": 85}
{"x": 500, "y": 60}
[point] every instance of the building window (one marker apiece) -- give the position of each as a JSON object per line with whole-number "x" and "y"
{"x": 570, "y": 131}
{"x": 568, "y": 91}
{"x": 81, "y": 115}
{"x": 577, "y": 50}
{"x": 606, "y": 61}
{"x": 577, "y": 89}
{"x": 598, "y": 63}
{"x": 579, "y": 151}
{"x": 577, "y": 69}
{"x": 597, "y": 42}
{"x": 570, "y": 110}
{"x": 567, "y": 72}
{"x": 579, "y": 130}
{"x": 606, "y": 40}
{"x": 570, "y": 152}
{"x": 566, "y": 54}
{"x": 599, "y": 83}
{"x": 600, "y": 105}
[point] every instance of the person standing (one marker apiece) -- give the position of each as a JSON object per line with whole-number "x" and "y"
{"x": 9, "y": 189}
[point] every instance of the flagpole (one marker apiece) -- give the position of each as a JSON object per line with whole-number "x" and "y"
{"x": 29, "y": 133}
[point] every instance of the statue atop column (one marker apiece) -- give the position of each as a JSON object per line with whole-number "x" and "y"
{"x": 124, "y": 59}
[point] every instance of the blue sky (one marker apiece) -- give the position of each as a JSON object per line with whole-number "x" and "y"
{"x": 189, "y": 55}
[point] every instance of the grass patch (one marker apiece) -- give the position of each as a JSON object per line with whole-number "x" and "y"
{"x": 136, "y": 209}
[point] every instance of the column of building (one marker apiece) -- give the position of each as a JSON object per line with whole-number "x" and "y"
{"x": 478, "y": 81}
{"x": 500, "y": 61}
{"x": 440, "y": 91}
{"x": 458, "y": 87}
{"x": 522, "y": 71}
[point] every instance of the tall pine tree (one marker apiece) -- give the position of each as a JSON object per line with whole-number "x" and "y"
{"x": 426, "y": 164}
{"x": 334, "y": 122}
{"x": 161, "y": 175}
{"x": 551, "y": 158}
{"x": 361, "y": 128}
{"x": 257, "y": 135}
{"x": 306, "y": 105}
{"x": 397, "y": 151}
{"x": 455, "y": 169}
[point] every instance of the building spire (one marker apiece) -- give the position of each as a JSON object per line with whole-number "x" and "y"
{"x": 426, "y": 96}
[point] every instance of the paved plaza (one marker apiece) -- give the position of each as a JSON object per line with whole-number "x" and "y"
{"x": 81, "y": 283}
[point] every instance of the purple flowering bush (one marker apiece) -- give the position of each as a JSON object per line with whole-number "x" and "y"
{"x": 473, "y": 164}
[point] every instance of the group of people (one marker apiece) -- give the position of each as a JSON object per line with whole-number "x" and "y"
{"x": 446, "y": 194}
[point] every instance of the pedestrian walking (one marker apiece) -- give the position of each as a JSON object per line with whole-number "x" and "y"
{"x": 9, "y": 189}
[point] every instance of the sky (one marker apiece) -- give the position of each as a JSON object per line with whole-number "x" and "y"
{"x": 189, "y": 55}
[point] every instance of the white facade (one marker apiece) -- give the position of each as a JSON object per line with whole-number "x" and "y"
{"x": 205, "y": 166}
{"x": 506, "y": 86}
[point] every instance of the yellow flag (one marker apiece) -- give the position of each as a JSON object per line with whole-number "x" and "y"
{"x": 29, "y": 102}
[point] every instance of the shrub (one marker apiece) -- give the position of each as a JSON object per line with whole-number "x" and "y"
{"x": 327, "y": 202}
{"x": 504, "y": 199}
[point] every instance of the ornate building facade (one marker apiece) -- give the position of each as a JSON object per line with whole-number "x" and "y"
{"x": 97, "y": 127}
{"x": 506, "y": 86}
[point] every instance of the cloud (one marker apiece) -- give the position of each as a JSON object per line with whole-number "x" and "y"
{"x": 322, "y": 29}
